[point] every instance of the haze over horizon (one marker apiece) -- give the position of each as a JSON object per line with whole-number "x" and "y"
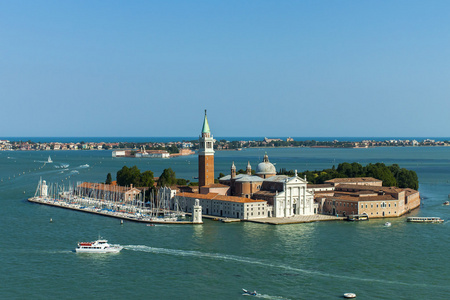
{"x": 260, "y": 68}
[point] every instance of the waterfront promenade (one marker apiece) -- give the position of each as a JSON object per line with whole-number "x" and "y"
{"x": 297, "y": 219}
{"x": 136, "y": 217}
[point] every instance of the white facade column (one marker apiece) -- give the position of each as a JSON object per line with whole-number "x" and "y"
{"x": 291, "y": 202}
{"x": 285, "y": 203}
{"x": 304, "y": 200}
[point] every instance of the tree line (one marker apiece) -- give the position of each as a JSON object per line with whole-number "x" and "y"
{"x": 391, "y": 175}
{"x": 133, "y": 176}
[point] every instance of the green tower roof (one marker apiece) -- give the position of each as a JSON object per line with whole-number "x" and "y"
{"x": 205, "y": 125}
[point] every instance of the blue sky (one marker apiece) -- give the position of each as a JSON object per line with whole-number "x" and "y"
{"x": 261, "y": 68}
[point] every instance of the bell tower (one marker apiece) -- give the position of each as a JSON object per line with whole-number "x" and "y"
{"x": 205, "y": 156}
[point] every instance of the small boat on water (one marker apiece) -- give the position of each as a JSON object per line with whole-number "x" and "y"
{"x": 362, "y": 217}
{"x": 349, "y": 295}
{"x": 446, "y": 203}
{"x": 49, "y": 160}
{"x": 425, "y": 219}
{"x": 387, "y": 224}
{"x": 246, "y": 292}
{"x": 98, "y": 246}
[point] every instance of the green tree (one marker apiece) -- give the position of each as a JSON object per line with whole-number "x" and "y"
{"x": 108, "y": 179}
{"x": 167, "y": 178}
{"x": 241, "y": 171}
{"x": 173, "y": 149}
{"x": 182, "y": 181}
{"x": 407, "y": 179}
{"x": 380, "y": 171}
{"x": 147, "y": 179}
{"x": 127, "y": 176}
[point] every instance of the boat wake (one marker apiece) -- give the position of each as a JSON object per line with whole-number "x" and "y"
{"x": 263, "y": 296}
{"x": 62, "y": 166}
{"x": 248, "y": 260}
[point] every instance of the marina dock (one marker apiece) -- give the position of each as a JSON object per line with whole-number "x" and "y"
{"x": 115, "y": 214}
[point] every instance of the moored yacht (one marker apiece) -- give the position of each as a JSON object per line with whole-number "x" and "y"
{"x": 98, "y": 246}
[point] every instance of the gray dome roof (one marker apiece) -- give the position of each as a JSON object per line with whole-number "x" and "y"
{"x": 266, "y": 167}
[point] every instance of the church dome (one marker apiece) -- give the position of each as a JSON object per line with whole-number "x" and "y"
{"x": 266, "y": 168}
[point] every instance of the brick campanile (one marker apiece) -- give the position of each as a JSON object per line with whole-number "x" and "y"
{"x": 206, "y": 156}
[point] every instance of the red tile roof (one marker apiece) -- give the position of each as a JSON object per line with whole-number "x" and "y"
{"x": 356, "y": 179}
{"x": 105, "y": 187}
{"x": 357, "y": 199}
{"x": 215, "y": 196}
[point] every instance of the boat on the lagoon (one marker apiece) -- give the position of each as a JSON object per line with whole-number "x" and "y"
{"x": 387, "y": 224}
{"x": 349, "y": 295}
{"x": 362, "y": 217}
{"x": 425, "y": 219}
{"x": 446, "y": 203}
{"x": 49, "y": 160}
{"x": 98, "y": 246}
{"x": 246, "y": 292}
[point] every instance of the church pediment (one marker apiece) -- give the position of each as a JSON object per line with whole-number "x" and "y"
{"x": 296, "y": 180}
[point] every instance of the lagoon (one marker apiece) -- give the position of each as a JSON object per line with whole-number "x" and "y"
{"x": 319, "y": 260}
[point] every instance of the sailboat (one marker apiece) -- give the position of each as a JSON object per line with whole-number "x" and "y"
{"x": 49, "y": 160}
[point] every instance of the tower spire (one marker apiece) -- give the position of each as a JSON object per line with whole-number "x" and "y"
{"x": 205, "y": 129}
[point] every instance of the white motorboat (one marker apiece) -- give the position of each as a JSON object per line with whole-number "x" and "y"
{"x": 349, "y": 295}
{"x": 98, "y": 246}
{"x": 246, "y": 292}
{"x": 387, "y": 224}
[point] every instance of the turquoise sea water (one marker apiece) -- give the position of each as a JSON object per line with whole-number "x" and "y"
{"x": 216, "y": 260}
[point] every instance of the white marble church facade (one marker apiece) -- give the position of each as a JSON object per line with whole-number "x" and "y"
{"x": 294, "y": 199}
